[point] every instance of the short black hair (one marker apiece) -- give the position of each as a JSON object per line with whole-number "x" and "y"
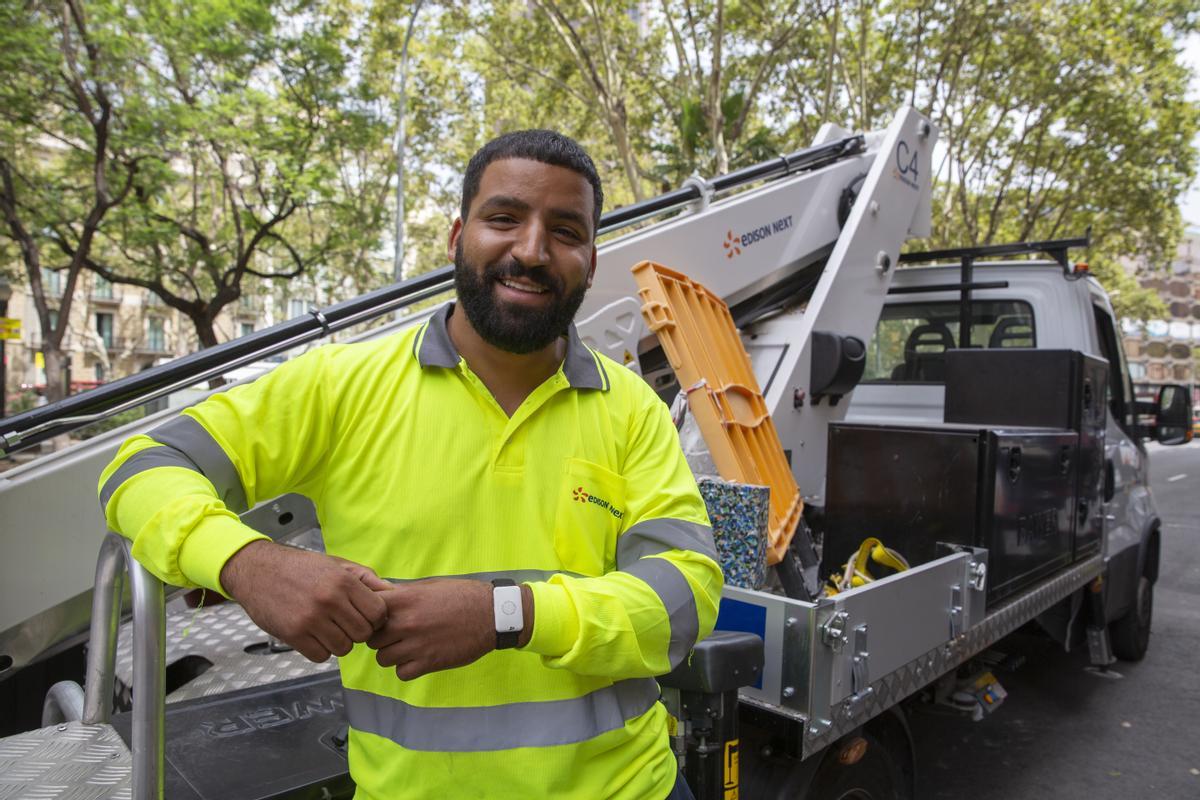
{"x": 548, "y": 147}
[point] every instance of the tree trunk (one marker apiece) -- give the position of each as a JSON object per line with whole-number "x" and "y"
{"x": 616, "y": 121}
{"x": 57, "y": 367}
{"x": 205, "y": 332}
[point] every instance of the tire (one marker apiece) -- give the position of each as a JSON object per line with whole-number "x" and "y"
{"x": 885, "y": 771}
{"x": 1131, "y": 633}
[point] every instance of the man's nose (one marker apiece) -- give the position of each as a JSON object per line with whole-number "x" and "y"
{"x": 532, "y": 248}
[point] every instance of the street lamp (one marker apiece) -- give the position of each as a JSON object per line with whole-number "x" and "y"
{"x": 5, "y": 293}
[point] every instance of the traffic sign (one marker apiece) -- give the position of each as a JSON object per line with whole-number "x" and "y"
{"x": 9, "y": 334}
{"x": 10, "y": 323}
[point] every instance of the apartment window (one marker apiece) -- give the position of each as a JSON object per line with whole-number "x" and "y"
{"x": 247, "y": 328}
{"x": 103, "y": 289}
{"x": 298, "y": 308}
{"x": 98, "y": 371}
{"x": 104, "y": 327}
{"x": 155, "y": 337}
{"x": 52, "y": 282}
{"x": 153, "y": 299}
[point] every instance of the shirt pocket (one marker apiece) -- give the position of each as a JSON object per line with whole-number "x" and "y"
{"x": 589, "y": 515}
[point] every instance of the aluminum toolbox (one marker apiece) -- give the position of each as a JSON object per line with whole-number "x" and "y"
{"x": 1046, "y": 388}
{"x": 1008, "y": 490}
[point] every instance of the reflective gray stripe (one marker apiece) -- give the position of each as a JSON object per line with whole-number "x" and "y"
{"x": 140, "y": 462}
{"x": 502, "y": 727}
{"x": 515, "y": 575}
{"x": 191, "y": 439}
{"x": 676, "y": 595}
{"x": 653, "y": 536}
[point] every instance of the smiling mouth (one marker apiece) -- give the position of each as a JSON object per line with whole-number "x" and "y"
{"x": 522, "y": 286}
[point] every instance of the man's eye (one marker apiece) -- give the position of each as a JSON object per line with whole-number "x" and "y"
{"x": 503, "y": 219}
{"x": 568, "y": 232}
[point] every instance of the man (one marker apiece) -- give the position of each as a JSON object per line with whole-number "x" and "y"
{"x": 488, "y": 444}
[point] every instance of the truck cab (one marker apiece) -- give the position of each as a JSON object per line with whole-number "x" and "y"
{"x": 1025, "y": 304}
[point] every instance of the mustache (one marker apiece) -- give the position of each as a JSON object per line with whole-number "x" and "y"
{"x": 512, "y": 269}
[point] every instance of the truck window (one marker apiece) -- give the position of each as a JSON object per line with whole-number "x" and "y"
{"x": 911, "y": 339}
{"x": 1120, "y": 390}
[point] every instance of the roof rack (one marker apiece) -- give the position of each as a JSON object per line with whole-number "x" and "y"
{"x": 1055, "y": 248}
{"x": 967, "y": 256}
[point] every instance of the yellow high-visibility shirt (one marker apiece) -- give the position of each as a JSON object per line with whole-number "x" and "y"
{"x": 416, "y": 471}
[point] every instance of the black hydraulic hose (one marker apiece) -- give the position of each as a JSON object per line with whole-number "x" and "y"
{"x": 36, "y": 425}
{"x": 26, "y": 429}
{"x": 800, "y": 161}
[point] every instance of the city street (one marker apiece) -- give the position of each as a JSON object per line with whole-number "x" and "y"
{"x": 1069, "y": 734}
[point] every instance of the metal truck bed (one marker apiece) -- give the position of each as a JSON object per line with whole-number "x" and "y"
{"x": 834, "y": 664}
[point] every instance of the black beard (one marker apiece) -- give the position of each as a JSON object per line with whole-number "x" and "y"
{"x": 515, "y": 331}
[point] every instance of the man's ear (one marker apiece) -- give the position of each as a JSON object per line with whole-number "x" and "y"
{"x": 592, "y": 269}
{"x": 456, "y": 232}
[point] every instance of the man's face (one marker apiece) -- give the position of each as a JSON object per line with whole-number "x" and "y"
{"x": 525, "y": 255}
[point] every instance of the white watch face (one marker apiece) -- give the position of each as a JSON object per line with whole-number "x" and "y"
{"x": 506, "y": 604}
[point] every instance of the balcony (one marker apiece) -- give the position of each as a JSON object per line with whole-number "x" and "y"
{"x": 105, "y": 299}
{"x": 152, "y": 346}
{"x": 140, "y": 346}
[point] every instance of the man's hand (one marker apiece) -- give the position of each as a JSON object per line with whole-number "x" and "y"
{"x": 433, "y": 625}
{"x": 318, "y": 604}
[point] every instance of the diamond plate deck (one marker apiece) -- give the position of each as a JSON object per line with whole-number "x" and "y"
{"x": 71, "y": 761}
{"x": 908, "y": 679}
{"x": 220, "y": 634}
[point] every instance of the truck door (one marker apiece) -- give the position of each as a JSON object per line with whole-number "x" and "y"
{"x": 1128, "y": 508}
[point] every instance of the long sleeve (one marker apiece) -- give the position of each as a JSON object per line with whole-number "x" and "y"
{"x": 175, "y": 492}
{"x": 643, "y": 618}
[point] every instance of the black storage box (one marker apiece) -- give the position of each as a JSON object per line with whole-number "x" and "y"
{"x": 1010, "y": 490}
{"x": 1044, "y": 388}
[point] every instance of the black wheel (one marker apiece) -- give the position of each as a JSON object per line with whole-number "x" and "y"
{"x": 1131, "y": 633}
{"x": 882, "y": 771}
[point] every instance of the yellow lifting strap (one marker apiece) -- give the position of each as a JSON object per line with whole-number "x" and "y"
{"x": 856, "y": 573}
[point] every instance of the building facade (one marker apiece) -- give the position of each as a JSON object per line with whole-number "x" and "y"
{"x": 115, "y": 330}
{"x": 1165, "y": 350}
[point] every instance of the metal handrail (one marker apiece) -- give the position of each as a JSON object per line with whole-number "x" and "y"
{"x": 147, "y": 735}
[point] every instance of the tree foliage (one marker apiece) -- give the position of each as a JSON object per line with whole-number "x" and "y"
{"x": 67, "y": 159}
{"x": 191, "y": 147}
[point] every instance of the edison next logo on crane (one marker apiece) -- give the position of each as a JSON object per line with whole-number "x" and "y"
{"x": 735, "y": 242}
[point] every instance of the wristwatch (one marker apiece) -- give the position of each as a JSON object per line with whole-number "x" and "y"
{"x": 510, "y": 616}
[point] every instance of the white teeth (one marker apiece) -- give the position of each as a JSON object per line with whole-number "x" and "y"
{"x": 521, "y": 287}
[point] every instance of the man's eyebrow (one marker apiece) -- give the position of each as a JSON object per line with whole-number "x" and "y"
{"x": 499, "y": 202}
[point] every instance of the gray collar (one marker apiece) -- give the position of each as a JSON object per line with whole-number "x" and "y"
{"x": 581, "y": 367}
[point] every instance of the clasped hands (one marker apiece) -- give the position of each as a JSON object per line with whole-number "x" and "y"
{"x": 322, "y": 605}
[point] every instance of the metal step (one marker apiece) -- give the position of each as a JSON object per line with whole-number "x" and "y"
{"x": 71, "y": 761}
{"x": 284, "y": 740}
{"x": 233, "y": 647}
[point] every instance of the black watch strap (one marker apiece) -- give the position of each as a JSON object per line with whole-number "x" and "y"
{"x": 506, "y": 641}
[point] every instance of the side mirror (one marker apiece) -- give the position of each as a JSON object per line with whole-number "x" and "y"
{"x": 1173, "y": 415}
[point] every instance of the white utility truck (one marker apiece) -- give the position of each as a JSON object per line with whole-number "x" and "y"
{"x": 892, "y": 390}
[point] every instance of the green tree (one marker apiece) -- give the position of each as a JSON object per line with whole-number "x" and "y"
{"x": 259, "y": 130}
{"x": 1053, "y": 117}
{"x": 67, "y": 160}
